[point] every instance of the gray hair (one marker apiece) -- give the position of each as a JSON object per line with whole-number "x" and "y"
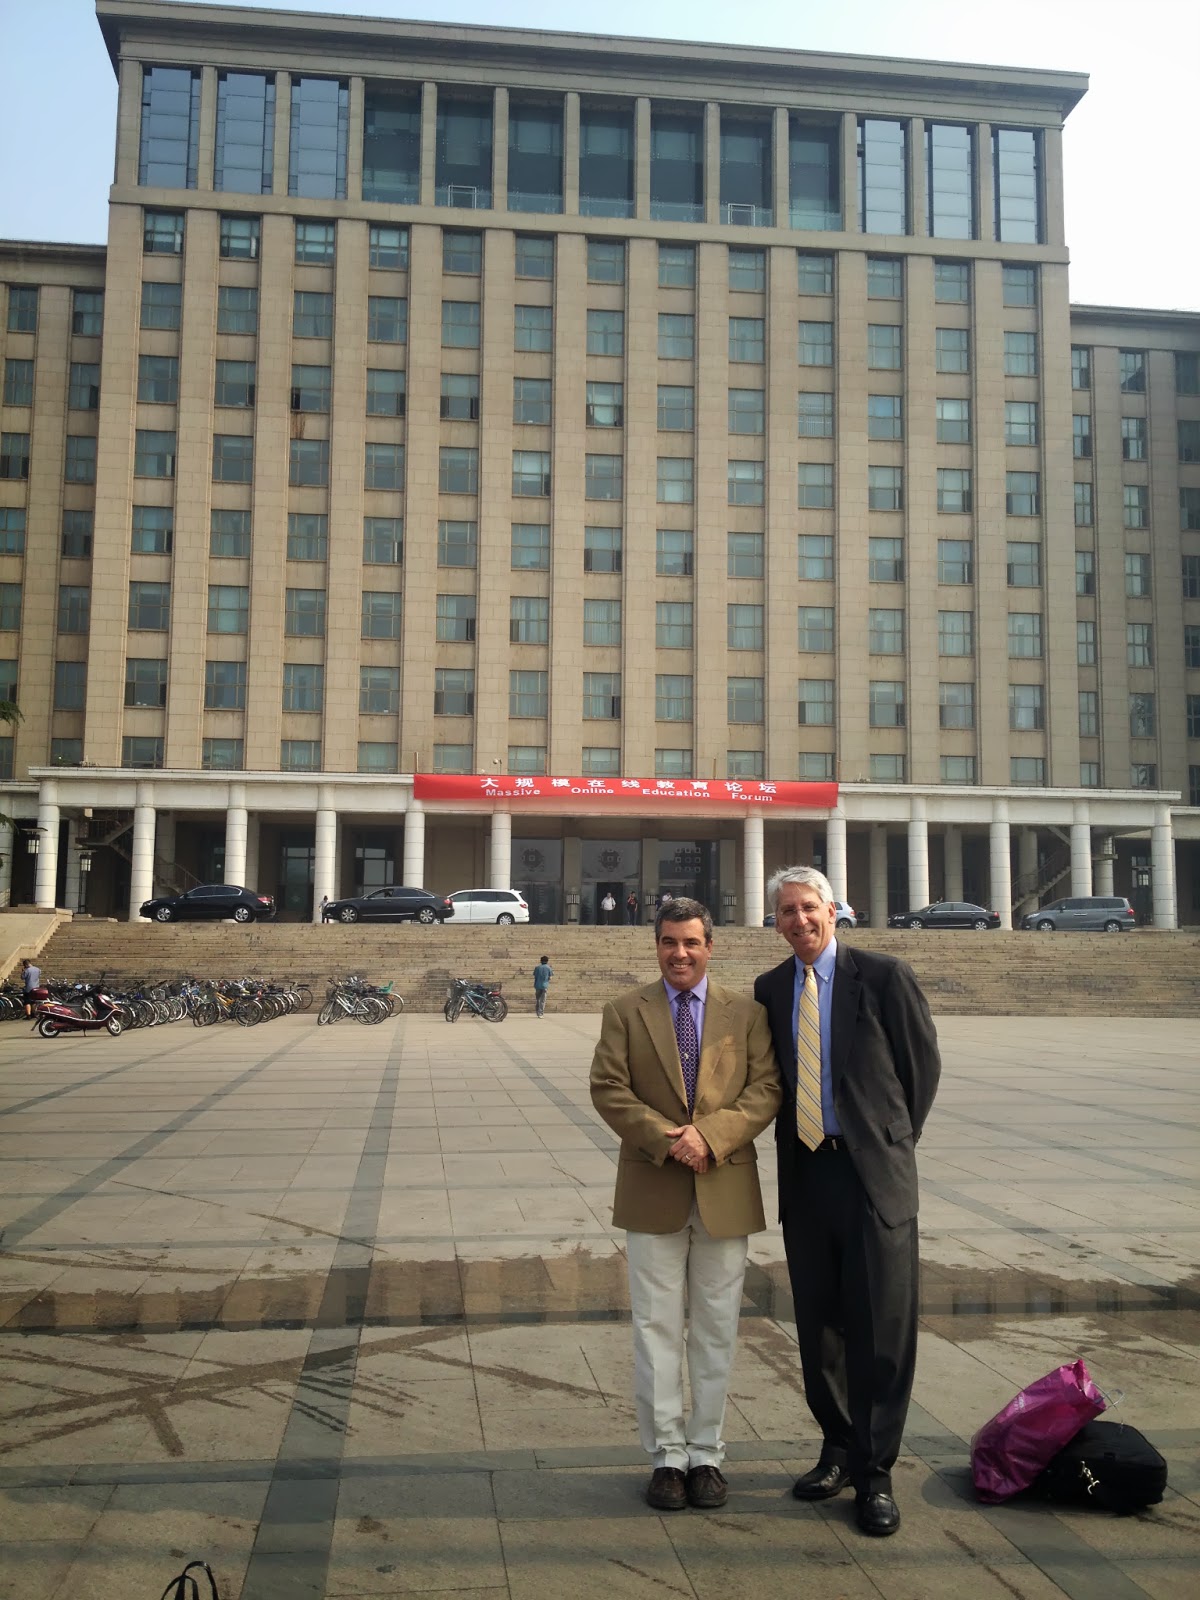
{"x": 808, "y": 876}
{"x": 682, "y": 910}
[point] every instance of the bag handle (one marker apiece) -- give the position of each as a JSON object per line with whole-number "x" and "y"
{"x": 184, "y": 1586}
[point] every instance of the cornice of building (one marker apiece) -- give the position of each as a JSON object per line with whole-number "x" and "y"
{"x": 408, "y": 42}
{"x": 1129, "y": 316}
{"x": 32, "y": 251}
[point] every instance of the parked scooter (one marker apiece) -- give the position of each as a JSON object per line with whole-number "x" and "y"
{"x": 96, "y": 1010}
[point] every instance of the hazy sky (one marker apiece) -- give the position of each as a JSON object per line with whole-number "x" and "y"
{"x": 1130, "y": 146}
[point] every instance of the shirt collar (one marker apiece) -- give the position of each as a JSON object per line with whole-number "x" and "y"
{"x": 824, "y": 964}
{"x": 700, "y": 991}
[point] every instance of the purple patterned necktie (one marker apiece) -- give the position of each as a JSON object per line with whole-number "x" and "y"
{"x": 689, "y": 1045}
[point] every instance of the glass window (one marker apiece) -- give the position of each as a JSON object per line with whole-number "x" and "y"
{"x": 232, "y": 458}
{"x": 239, "y": 238}
{"x": 307, "y": 536}
{"x": 535, "y": 155}
{"x": 1020, "y": 355}
{"x": 744, "y": 700}
{"x": 1139, "y": 644}
{"x": 142, "y": 751}
{"x": 676, "y": 266}
{"x": 378, "y": 691}
{"x": 745, "y": 170}
{"x": 951, "y": 282}
{"x": 22, "y": 308}
{"x": 747, "y": 270}
{"x": 1083, "y": 505}
{"x": 1193, "y": 714}
{"x": 87, "y": 314}
{"x": 237, "y": 309}
{"x": 603, "y": 477}
{"x": 463, "y": 170}
{"x": 1081, "y": 437}
{"x": 377, "y": 756}
{"x": 602, "y": 622}
{"x": 675, "y": 480}
{"x": 1020, "y": 286}
{"x": 746, "y": 339}
{"x": 673, "y": 553}
{"x": 76, "y": 534}
{"x": 383, "y": 541}
{"x": 956, "y": 769}
{"x": 815, "y": 485}
{"x": 884, "y": 353}
{"x": 229, "y": 534}
{"x": 312, "y": 314}
{"x": 885, "y": 278}
{"x": 885, "y": 488}
{"x": 744, "y": 627}
{"x": 303, "y": 686}
{"x": 228, "y": 608}
{"x": 145, "y": 682}
{"x": 816, "y": 558}
{"x": 80, "y": 463}
{"x": 12, "y": 536}
{"x": 1026, "y": 770}
{"x": 950, "y": 180}
{"x": 75, "y": 607}
{"x": 745, "y": 764}
{"x": 1131, "y": 366}
{"x": 234, "y": 384}
{"x": 1187, "y": 437}
{"x": 162, "y": 305}
{"x": 1020, "y": 422}
{"x": 1024, "y": 565}
{"x": 746, "y": 483}
{"x": 673, "y": 697}
{"x": 676, "y": 166}
{"x": 531, "y": 546}
{"x": 314, "y": 243}
{"x": 14, "y": 456}
{"x": 460, "y": 324}
{"x": 952, "y": 349}
{"x": 956, "y": 563}
{"x": 452, "y": 757}
{"x": 153, "y": 530}
{"x": 816, "y": 415}
{"x": 1191, "y": 643}
{"x": 605, "y": 407}
{"x": 885, "y": 560}
{"x": 885, "y": 631}
{"x": 387, "y": 319}
{"x": 458, "y": 469}
{"x": 882, "y": 176}
{"x": 815, "y": 703}
{"x": 225, "y": 685}
{"x": 816, "y": 344}
{"x": 460, "y": 397}
{"x": 170, "y": 128}
{"x": 319, "y": 135}
{"x": 1089, "y": 714}
{"x": 10, "y": 607}
{"x": 1081, "y": 367}
{"x": 526, "y": 758}
{"x": 814, "y": 273}
{"x": 158, "y": 380}
{"x": 815, "y": 766}
{"x": 1187, "y": 370}
{"x": 744, "y": 555}
{"x": 672, "y": 763}
{"x": 602, "y": 549}
{"x": 1016, "y": 185}
{"x": 1024, "y": 634}
{"x": 1136, "y": 498}
{"x": 1085, "y": 572}
{"x": 1025, "y": 708}
{"x": 308, "y": 464}
{"x": 673, "y": 624}
{"x": 1190, "y": 577}
{"x": 1189, "y": 510}
{"x": 462, "y": 252}
{"x": 245, "y": 144}
{"x": 457, "y": 543}
{"x": 384, "y": 466}
{"x": 528, "y": 619}
{"x": 1142, "y": 716}
{"x": 528, "y": 694}
{"x": 534, "y": 256}
{"x": 606, "y": 333}
{"x": 747, "y": 410}
{"x": 1085, "y": 644}
{"x": 884, "y": 416}
{"x": 1022, "y": 494}
{"x": 386, "y": 391}
{"x": 676, "y": 336}
{"x": 18, "y": 383}
{"x": 392, "y": 147}
{"x": 153, "y": 454}
{"x": 956, "y": 705}
{"x": 533, "y": 328}
{"x": 816, "y": 629}
{"x": 531, "y": 472}
{"x": 814, "y": 174}
{"x": 676, "y": 408}
{"x": 149, "y": 607}
{"x": 886, "y": 769}
{"x": 300, "y": 755}
{"x": 381, "y": 612}
{"x": 886, "y": 704}
{"x": 70, "y": 684}
{"x": 606, "y": 261}
{"x": 456, "y": 615}
{"x": 388, "y": 247}
{"x": 953, "y": 421}
{"x": 162, "y": 233}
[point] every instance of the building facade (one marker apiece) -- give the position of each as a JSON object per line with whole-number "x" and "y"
{"x": 540, "y": 406}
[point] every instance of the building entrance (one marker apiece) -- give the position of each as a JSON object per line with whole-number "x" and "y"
{"x": 689, "y": 867}
{"x": 608, "y": 866}
{"x": 297, "y": 861}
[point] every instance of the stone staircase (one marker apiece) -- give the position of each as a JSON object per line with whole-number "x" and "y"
{"x": 1145, "y": 973}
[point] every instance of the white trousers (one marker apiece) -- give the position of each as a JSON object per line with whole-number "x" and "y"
{"x": 661, "y": 1265}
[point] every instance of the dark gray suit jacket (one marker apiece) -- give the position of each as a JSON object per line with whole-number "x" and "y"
{"x": 885, "y": 1068}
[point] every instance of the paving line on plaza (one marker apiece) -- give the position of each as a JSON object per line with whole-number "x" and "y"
{"x": 294, "y": 1538}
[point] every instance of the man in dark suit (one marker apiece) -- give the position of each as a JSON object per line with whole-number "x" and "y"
{"x": 858, "y": 1055}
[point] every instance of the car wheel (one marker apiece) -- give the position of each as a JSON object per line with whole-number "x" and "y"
{"x": 844, "y": 922}
{"x": 243, "y": 914}
{"x": 427, "y": 914}
{"x": 163, "y": 914}
{"x": 347, "y": 914}
{"x": 1045, "y": 926}
{"x": 47, "y": 1027}
{"x": 506, "y": 919}
{"x": 916, "y": 923}
{"x": 980, "y": 925}
{"x": 1112, "y": 927}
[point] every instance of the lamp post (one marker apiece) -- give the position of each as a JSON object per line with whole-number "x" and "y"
{"x": 85, "y": 867}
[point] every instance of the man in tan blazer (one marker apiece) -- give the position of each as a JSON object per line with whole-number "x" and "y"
{"x": 685, "y": 1073}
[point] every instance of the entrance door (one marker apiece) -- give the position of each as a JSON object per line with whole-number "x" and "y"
{"x": 618, "y": 891}
{"x": 296, "y": 867}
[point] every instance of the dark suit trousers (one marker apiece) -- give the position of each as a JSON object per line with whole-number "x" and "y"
{"x": 855, "y": 1287}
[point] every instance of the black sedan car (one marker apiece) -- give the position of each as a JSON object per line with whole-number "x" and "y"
{"x": 947, "y": 914}
{"x": 393, "y": 904}
{"x": 210, "y": 901}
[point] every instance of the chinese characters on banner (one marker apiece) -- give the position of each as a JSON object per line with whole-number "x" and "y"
{"x": 479, "y": 789}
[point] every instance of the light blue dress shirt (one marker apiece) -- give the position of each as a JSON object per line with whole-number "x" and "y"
{"x": 823, "y": 968}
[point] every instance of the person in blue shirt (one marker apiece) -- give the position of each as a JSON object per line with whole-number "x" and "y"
{"x": 542, "y": 974}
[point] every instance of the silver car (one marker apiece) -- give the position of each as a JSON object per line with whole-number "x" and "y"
{"x": 1083, "y": 914}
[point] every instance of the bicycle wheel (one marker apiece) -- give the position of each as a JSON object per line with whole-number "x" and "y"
{"x": 205, "y": 1013}
{"x": 247, "y": 1012}
{"x": 304, "y": 996}
{"x": 453, "y": 1010}
{"x": 327, "y": 1013}
{"x": 494, "y": 1008}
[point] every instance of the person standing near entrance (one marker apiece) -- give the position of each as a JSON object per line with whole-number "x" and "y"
{"x": 608, "y": 905}
{"x": 685, "y": 1075}
{"x": 542, "y": 974}
{"x": 859, "y": 1056}
{"x": 631, "y": 908}
{"x": 31, "y": 979}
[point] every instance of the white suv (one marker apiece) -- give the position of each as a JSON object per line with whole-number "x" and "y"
{"x": 489, "y": 905}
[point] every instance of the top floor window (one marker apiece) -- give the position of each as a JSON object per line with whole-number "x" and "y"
{"x": 463, "y": 173}
{"x": 87, "y": 312}
{"x": 605, "y": 160}
{"x": 22, "y": 308}
{"x": 950, "y": 180}
{"x": 245, "y": 145}
{"x": 1132, "y": 368}
{"x": 392, "y": 146}
{"x": 170, "y": 134}
{"x": 676, "y": 166}
{"x": 814, "y": 173}
{"x": 320, "y": 124}
{"x": 882, "y": 175}
{"x": 1017, "y": 185}
{"x": 535, "y": 162}
{"x": 162, "y": 233}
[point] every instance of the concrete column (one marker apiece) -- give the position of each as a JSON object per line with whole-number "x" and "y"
{"x": 1102, "y": 874}
{"x": 325, "y": 855}
{"x": 428, "y": 143}
{"x": 283, "y": 132}
{"x": 918, "y": 853}
{"x": 850, "y": 222}
{"x": 236, "y": 823}
{"x": 501, "y": 876}
{"x": 918, "y": 203}
{"x": 1162, "y": 869}
{"x": 354, "y": 138}
{"x": 835, "y": 853}
{"x": 1081, "y": 850}
{"x": 781, "y": 167}
{"x": 208, "y": 128}
{"x": 8, "y": 839}
{"x": 571, "y": 153}
{"x": 414, "y": 845}
{"x": 500, "y": 148}
{"x": 985, "y": 202}
{"x": 141, "y": 874}
{"x": 879, "y": 876}
{"x": 641, "y": 157}
{"x": 952, "y": 854}
{"x": 253, "y": 835}
{"x": 712, "y": 162}
{"x": 1000, "y": 863}
{"x": 46, "y": 876}
{"x": 752, "y": 869}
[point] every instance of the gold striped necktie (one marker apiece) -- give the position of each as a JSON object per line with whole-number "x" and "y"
{"x": 810, "y": 1126}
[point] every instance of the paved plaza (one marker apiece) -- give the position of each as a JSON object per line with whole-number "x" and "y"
{"x": 342, "y": 1311}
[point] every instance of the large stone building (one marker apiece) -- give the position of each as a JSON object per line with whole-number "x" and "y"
{"x": 540, "y": 407}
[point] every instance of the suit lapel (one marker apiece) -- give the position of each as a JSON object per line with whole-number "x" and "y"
{"x": 716, "y": 1031}
{"x": 780, "y": 1011}
{"x": 656, "y": 1014}
{"x": 847, "y": 992}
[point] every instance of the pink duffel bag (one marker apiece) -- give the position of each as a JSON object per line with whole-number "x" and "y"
{"x": 1009, "y": 1451}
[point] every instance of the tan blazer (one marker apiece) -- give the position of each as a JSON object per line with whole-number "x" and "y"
{"x": 637, "y": 1087}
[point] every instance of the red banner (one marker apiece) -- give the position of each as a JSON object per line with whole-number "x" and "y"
{"x": 575, "y": 793}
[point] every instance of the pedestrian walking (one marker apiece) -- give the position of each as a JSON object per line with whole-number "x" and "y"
{"x": 542, "y": 974}
{"x": 31, "y": 979}
{"x": 631, "y": 908}
{"x": 608, "y": 905}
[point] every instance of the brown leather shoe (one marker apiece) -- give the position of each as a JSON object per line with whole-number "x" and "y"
{"x": 706, "y": 1488}
{"x": 667, "y": 1489}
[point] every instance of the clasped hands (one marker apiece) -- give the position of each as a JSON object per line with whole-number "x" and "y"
{"x": 690, "y": 1147}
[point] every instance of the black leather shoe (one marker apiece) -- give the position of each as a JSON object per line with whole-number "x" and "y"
{"x": 824, "y": 1481}
{"x": 667, "y": 1489}
{"x": 877, "y": 1514}
{"x": 706, "y": 1488}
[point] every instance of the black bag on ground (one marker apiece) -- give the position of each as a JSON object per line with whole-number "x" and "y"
{"x": 186, "y": 1585}
{"x": 1108, "y": 1465}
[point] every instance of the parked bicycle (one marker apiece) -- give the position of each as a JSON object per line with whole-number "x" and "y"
{"x": 478, "y": 999}
{"x": 354, "y": 997}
